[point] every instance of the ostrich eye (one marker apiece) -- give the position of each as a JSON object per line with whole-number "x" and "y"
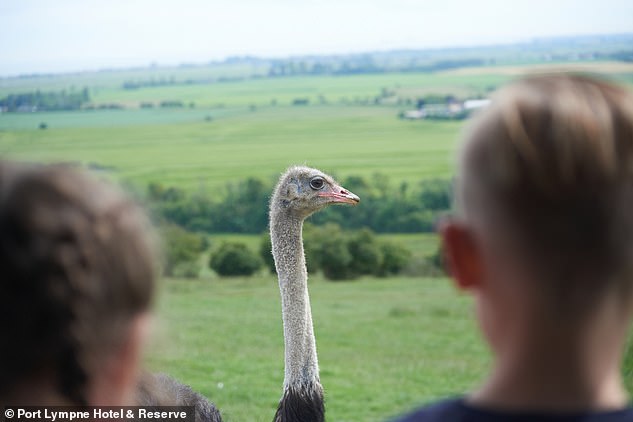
{"x": 317, "y": 183}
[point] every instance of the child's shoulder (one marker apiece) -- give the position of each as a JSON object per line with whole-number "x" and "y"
{"x": 457, "y": 410}
{"x": 446, "y": 410}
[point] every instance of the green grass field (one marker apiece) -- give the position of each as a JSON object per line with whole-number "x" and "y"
{"x": 332, "y": 89}
{"x": 106, "y": 87}
{"x": 179, "y": 146}
{"x": 384, "y": 345}
{"x": 195, "y": 154}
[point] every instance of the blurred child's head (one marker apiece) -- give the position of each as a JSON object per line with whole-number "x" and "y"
{"x": 76, "y": 278}
{"x": 545, "y": 188}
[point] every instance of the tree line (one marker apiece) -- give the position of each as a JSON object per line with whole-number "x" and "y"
{"x": 387, "y": 62}
{"x": 364, "y": 64}
{"x": 340, "y": 242}
{"x": 385, "y": 207}
{"x": 45, "y": 101}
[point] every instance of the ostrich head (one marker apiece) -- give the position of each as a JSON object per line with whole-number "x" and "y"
{"x": 304, "y": 190}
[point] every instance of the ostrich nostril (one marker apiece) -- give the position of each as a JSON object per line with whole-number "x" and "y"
{"x": 344, "y": 192}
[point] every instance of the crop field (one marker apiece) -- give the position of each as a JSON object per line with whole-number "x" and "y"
{"x": 384, "y": 346}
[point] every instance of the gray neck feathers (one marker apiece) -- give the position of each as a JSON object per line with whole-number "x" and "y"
{"x": 301, "y": 366}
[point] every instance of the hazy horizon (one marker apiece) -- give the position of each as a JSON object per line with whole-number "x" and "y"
{"x": 74, "y": 35}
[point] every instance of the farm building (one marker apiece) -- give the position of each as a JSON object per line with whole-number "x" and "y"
{"x": 450, "y": 110}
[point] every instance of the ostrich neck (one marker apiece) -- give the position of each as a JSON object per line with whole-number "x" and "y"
{"x": 301, "y": 366}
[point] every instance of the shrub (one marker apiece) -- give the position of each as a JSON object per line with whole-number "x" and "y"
{"x": 182, "y": 250}
{"x": 366, "y": 253}
{"x": 340, "y": 255}
{"x": 233, "y": 259}
{"x": 395, "y": 258}
{"x": 300, "y": 101}
{"x": 344, "y": 255}
{"x": 326, "y": 249}
{"x": 171, "y": 104}
{"x": 437, "y": 260}
{"x": 335, "y": 258}
{"x": 313, "y": 238}
{"x": 436, "y": 195}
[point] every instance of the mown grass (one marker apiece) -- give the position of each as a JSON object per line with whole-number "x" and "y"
{"x": 385, "y": 345}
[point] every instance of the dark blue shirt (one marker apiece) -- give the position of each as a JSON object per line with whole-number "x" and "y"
{"x": 457, "y": 410}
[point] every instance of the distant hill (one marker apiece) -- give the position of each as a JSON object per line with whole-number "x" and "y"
{"x": 538, "y": 50}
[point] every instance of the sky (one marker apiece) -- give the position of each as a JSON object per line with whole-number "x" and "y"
{"x": 50, "y": 36}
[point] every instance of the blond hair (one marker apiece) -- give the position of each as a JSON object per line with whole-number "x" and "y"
{"x": 552, "y": 158}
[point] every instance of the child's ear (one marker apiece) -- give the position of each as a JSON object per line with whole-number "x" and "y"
{"x": 462, "y": 255}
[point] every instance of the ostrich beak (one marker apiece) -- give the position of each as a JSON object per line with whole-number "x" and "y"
{"x": 341, "y": 196}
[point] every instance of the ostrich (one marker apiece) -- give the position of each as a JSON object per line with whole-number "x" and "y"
{"x": 156, "y": 390}
{"x": 300, "y": 192}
